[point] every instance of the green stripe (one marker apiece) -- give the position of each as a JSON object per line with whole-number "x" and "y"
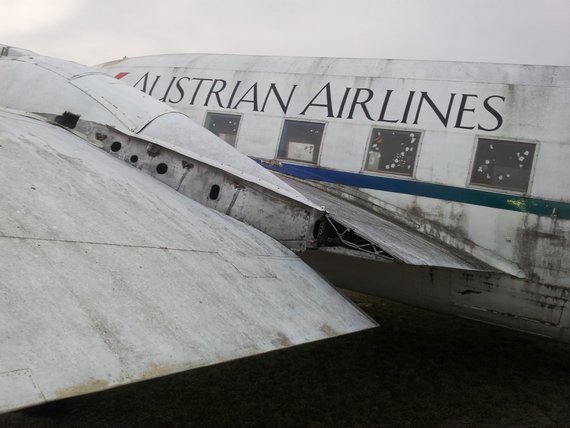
{"x": 541, "y": 207}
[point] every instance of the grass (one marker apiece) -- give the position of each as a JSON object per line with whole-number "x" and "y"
{"x": 418, "y": 369}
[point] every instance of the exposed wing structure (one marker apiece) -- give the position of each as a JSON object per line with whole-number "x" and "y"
{"x": 381, "y": 235}
{"x": 108, "y": 276}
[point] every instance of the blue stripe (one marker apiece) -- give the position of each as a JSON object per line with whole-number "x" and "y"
{"x": 541, "y": 207}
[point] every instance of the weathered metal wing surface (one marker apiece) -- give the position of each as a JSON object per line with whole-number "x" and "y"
{"x": 108, "y": 276}
{"x": 395, "y": 240}
{"x": 103, "y": 108}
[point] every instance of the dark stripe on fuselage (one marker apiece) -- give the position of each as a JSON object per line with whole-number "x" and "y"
{"x": 518, "y": 203}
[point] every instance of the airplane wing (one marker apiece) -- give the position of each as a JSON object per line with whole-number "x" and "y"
{"x": 113, "y": 274}
{"x": 108, "y": 276}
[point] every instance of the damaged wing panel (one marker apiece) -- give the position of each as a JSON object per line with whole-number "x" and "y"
{"x": 74, "y": 95}
{"x": 274, "y": 210}
{"x": 110, "y": 277}
{"x": 383, "y": 233}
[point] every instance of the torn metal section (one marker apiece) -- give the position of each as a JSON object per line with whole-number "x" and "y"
{"x": 381, "y": 235}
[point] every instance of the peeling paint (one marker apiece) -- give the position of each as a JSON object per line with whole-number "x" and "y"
{"x": 519, "y": 204}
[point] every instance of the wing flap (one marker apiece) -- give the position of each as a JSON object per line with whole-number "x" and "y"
{"x": 395, "y": 239}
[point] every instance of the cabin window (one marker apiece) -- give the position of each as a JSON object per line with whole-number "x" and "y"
{"x": 503, "y": 164}
{"x": 392, "y": 151}
{"x": 301, "y": 141}
{"x": 224, "y": 126}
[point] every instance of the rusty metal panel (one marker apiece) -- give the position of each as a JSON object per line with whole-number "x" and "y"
{"x": 108, "y": 276}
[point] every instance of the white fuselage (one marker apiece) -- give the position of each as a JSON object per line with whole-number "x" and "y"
{"x": 472, "y": 155}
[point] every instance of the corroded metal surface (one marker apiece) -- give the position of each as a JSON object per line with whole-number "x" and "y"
{"x": 432, "y": 275}
{"x": 470, "y": 159}
{"x": 108, "y": 276}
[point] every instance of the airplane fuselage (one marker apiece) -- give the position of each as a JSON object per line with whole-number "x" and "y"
{"x": 472, "y": 155}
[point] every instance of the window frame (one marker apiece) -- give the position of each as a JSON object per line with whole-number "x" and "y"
{"x": 399, "y": 175}
{"x": 496, "y": 189}
{"x": 239, "y": 115}
{"x": 280, "y": 137}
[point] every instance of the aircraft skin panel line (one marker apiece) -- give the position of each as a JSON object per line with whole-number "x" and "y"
{"x": 109, "y": 277}
{"x": 136, "y": 242}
